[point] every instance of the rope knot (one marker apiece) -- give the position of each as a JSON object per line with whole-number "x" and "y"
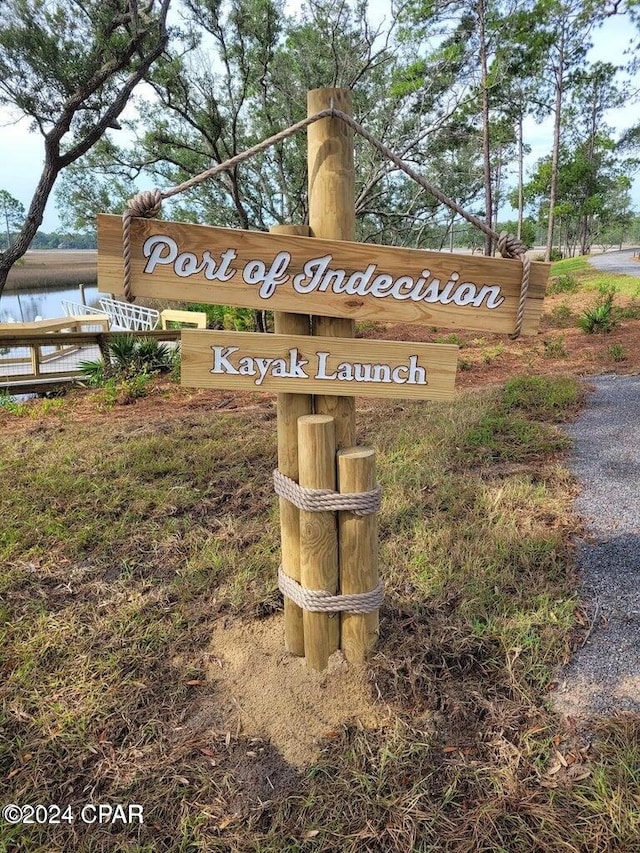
{"x": 510, "y": 247}
{"x": 146, "y": 204}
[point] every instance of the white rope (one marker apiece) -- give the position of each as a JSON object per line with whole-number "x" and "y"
{"x": 326, "y": 500}
{"x": 321, "y": 601}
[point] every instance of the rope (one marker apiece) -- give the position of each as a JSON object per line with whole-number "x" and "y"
{"x": 321, "y": 601}
{"x": 509, "y": 247}
{"x": 326, "y": 500}
{"x": 147, "y": 204}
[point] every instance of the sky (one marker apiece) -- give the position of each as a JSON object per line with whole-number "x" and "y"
{"x": 21, "y": 151}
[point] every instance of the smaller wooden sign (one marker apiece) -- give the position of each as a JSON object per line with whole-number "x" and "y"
{"x": 293, "y": 364}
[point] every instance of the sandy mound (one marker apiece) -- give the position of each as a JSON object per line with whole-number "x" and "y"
{"x": 270, "y": 694}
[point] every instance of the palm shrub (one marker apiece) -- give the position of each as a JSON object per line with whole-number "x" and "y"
{"x": 129, "y": 357}
{"x": 601, "y": 318}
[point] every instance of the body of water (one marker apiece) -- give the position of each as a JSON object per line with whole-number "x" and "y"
{"x": 46, "y": 303}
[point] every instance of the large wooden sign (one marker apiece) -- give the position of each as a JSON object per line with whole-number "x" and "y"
{"x": 248, "y": 361}
{"x": 363, "y": 281}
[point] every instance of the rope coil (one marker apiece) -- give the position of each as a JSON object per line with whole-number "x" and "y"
{"x": 147, "y": 204}
{"x": 321, "y": 601}
{"x": 326, "y": 500}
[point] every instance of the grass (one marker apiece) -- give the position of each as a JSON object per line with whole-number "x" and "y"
{"x": 53, "y": 268}
{"x": 124, "y": 541}
{"x": 589, "y": 278}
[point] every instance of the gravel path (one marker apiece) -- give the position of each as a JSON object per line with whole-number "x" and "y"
{"x": 604, "y": 675}
{"x": 620, "y": 262}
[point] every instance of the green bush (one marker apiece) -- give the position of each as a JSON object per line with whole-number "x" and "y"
{"x": 226, "y": 317}
{"x": 554, "y": 347}
{"x": 561, "y": 315}
{"x": 562, "y": 284}
{"x": 601, "y": 318}
{"x": 617, "y": 353}
{"x": 129, "y": 357}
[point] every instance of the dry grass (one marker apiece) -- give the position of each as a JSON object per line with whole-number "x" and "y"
{"x": 126, "y": 536}
{"x": 129, "y": 534}
{"x": 53, "y": 268}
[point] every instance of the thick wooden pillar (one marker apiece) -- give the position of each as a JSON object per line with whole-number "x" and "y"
{"x": 358, "y": 536}
{"x": 318, "y": 536}
{"x": 332, "y": 216}
{"x": 290, "y": 407}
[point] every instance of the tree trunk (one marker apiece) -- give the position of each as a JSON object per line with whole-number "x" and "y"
{"x": 520, "y": 176}
{"x": 486, "y": 149}
{"x": 555, "y": 155}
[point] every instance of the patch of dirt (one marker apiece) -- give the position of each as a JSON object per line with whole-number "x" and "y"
{"x": 488, "y": 359}
{"x": 271, "y": 695}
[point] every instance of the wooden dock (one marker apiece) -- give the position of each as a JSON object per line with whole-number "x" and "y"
{"x": 34, "y": 357}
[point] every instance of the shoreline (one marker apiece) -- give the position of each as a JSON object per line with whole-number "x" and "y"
{"x": 53, "y": 269}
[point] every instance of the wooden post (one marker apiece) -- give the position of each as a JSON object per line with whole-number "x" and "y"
{"x": 318, "y": 536}
{"x": 35, "y": 359}
{"x": 289, "y": 408}
{"x": 358, "y": 536}
{"x": 332, "y": 216}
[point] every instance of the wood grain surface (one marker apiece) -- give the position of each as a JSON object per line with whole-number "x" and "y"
{"x": 431, "y": 366}
{"x": 164, "y": 282}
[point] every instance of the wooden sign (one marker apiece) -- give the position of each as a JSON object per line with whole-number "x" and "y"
{"x": 296, "y": 364}
{"x": 362, "y": 281}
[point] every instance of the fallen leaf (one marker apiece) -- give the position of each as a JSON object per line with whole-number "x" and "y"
{"x": 578, "y": 772}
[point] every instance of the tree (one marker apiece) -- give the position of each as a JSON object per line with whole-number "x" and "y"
{"x": 11, "y": 212}
{"x": 592, "y": 191}
{"x": 568, "y": 24}
{"x": 265, "y": 62}
{"x": 71, "y": 68}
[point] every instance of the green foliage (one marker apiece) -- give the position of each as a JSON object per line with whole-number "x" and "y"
{"x": 32, "y": 409}
{"x": 542, "y": 398}
{"x": 12, "y": 406}
{"x": 561, "y": 315}
{"x": 93, "y": 372}
{"x": 122, "y": 390}
{"x": 628, "y": 312}
{"x": 617, "y": 353}
{"x": 12, "y": 215}
{"x": 70, "y": 69}
{"x": 502, "y": 438}
{"x": 129, "y": 357}
{"x": 601, "y": 318}
{"x": 528, "y": 231}
{"x": 554, "y": 347}
{"x": 562, "y": 284}
{"x": 568, "y": 266}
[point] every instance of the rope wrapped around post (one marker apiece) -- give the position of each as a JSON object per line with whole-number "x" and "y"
{"x": 147, "y": 204}
{"x": 326, "y": 500}
{"x": 321, "y": 601}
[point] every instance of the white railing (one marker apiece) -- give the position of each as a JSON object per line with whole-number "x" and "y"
{"x": 77, "y": 309}
{"x": 133, "y": 318}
